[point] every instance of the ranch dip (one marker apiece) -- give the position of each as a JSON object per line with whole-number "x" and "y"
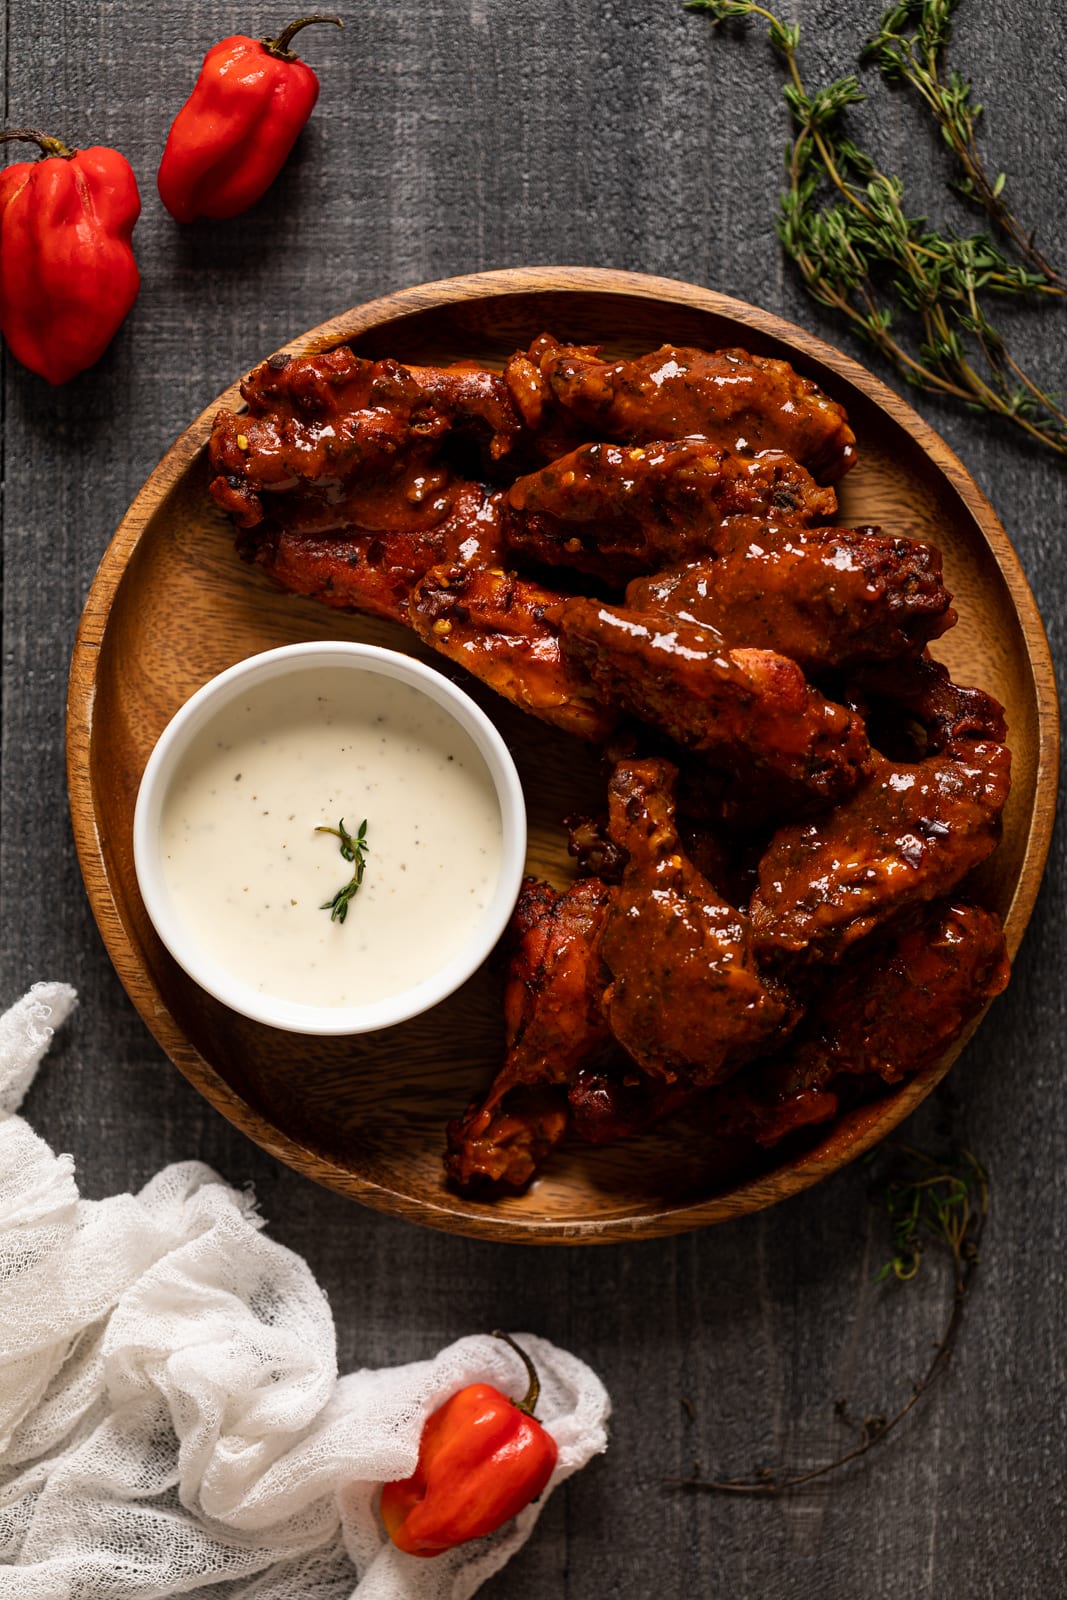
{"x": 248, "y": 874}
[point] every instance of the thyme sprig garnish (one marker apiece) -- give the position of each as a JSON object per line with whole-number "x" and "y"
{"x": 919, "y": 296}
{"x": 352, "y": 849}
{"x": 926, "y": 1200}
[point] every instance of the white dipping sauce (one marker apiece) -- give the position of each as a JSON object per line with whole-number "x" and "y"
{"x": 248, "y": 874}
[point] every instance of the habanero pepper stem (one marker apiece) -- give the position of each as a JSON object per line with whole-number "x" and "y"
{"x": 68, "y": 277}
{"x": 528, "y": 1403}
{"x": 232, "y": 136}
{"x": 482, "y": 1459}
{"x": 280, "y": 46}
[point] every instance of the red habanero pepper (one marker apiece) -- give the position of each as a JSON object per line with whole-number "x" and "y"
{"x": 482, "y": 1458}
{"x": 67, "y": 273}
{"x": 230, "y": 139}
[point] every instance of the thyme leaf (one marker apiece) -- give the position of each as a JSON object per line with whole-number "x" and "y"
{"x": 352, "y": 849}
{"x": 918, "y": 295}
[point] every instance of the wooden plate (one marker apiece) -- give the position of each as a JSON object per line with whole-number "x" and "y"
{"x": 172, "y": 605}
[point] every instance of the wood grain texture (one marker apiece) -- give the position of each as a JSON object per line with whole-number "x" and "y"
{"x": 171, "y": 606}
{"x": 454, "y": 137}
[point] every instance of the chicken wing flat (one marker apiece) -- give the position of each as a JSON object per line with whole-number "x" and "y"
{"x": 746, "y": 403}
{"x": 614, "y": 511}
{"x": 894, "y": 1007}
{"x": 554, "y": 1021}
{"x": 908, "y": 834}
{"x": 505, "y": 631}
{"x": 825, "y": 597}
{"x": 750, "y": 710}
{"x": 326, "y": 474}
{"x": 685, "y": 1000}
{"x": 463, "y": 396}
{"x": 376, "y": 570}
{"x": 324, "y": 434}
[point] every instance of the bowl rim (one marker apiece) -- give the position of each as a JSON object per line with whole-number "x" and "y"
{"x": 857, "y": 1132}
{"x": 197, "y": 713}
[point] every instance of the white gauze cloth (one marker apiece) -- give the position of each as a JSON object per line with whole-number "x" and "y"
{"x": 171, "y": 1418}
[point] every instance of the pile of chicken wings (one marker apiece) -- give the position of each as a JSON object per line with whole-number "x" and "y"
{"x": 764, "y": 927}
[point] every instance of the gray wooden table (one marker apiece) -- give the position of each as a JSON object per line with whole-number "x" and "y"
{"x": 454, "y": 136}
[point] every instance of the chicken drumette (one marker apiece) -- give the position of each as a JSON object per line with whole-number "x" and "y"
{"x": 555, "y": 1022}
{"x": 328, "y": 430}
{"x": 685, "y": 1000}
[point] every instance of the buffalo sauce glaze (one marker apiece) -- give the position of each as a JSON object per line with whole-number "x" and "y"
{"x": 249, "y": 875}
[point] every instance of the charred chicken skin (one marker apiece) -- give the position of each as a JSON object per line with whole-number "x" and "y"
{"x": 895, "y": 1005}
{"x": 685, "y": 1000}
{"x": 745, "y": 403}
{"x": 750, "y": 710}
{"x": 824, "y": 597}
{"x": 908, "y": 834}
{"x": 614, "y": 511}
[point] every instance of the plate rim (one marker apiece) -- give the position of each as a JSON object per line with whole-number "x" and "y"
{"x": 852, "y": 1134}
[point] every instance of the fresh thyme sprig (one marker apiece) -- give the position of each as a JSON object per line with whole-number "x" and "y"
{"x": 925, "y": 1199}
{"x": 917, "y": 58}
{"x": 354, "y": 850}
{"x": 917, "y": 295}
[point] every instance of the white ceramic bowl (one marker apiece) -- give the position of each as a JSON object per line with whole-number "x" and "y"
{"x": 275, "y": 672}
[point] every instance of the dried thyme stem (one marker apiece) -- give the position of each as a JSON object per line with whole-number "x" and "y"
{"x": 925, "y": 1199}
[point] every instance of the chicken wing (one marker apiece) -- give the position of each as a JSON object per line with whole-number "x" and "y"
{"x": 324, "y": 434}
{"x": 748, "y": 710}
{"x": 376, "y": 570}
{"x": 746, "y": 403}
{"x": 685, "y": 999}
{"x": 894, "y": 1006}
{"x": 328, "y": 475}
{"x": 825, "y": 597}
{"x": 553, "y": 997}
{"x": 464, "y": 396}
{"x": 909, "y": 834}
{"x": 554, "y": 1020}
{"x": 614, "y": 511}
{"x": 914, "y": 707}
